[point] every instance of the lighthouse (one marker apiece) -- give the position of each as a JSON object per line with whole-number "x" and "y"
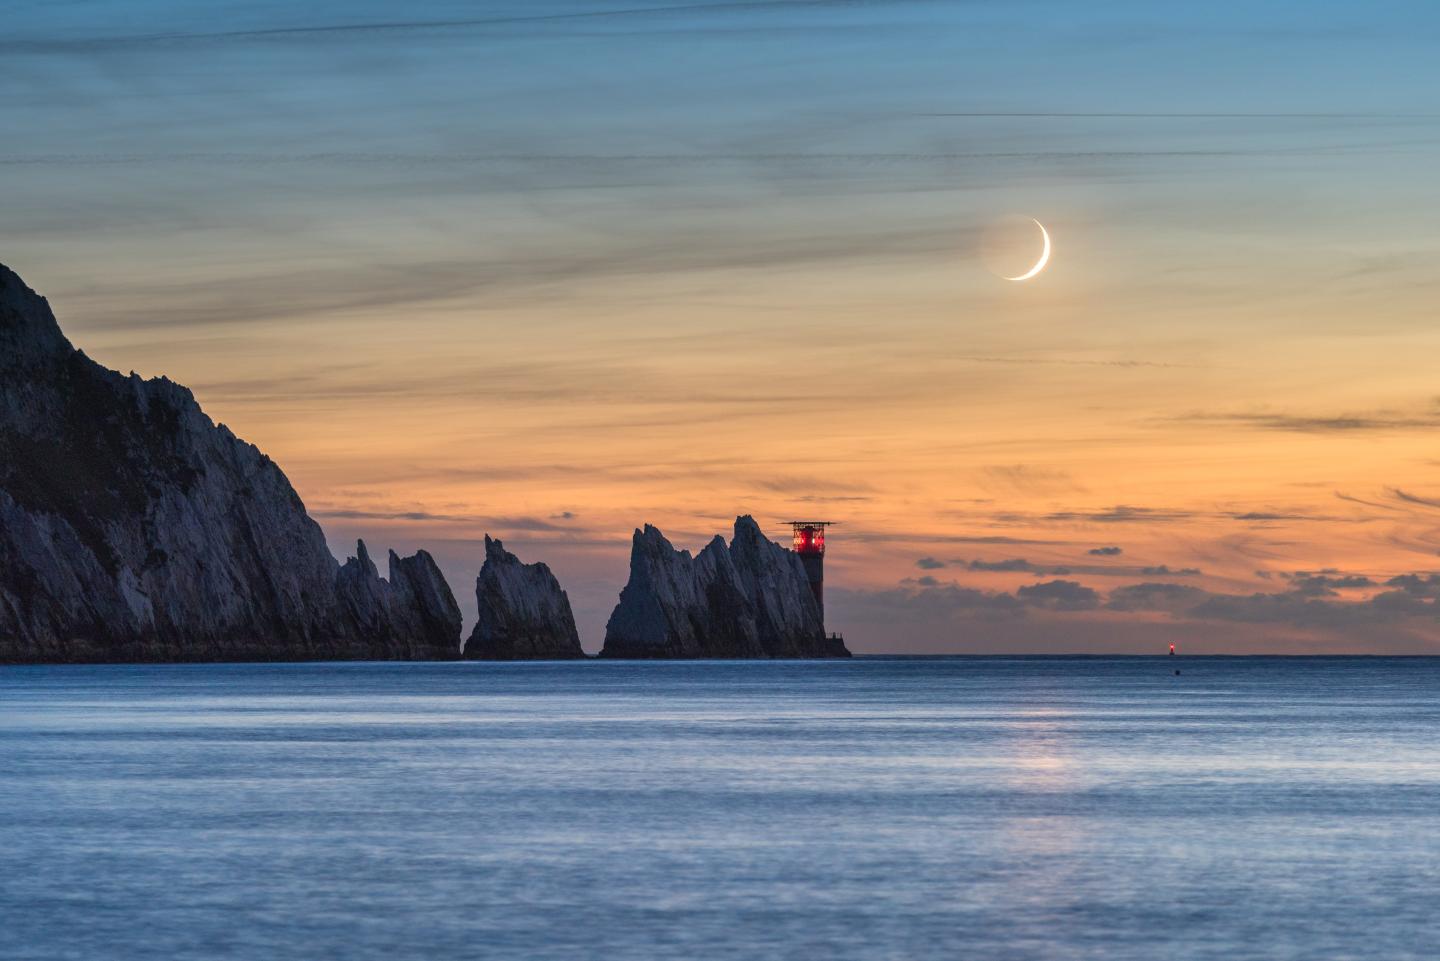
{"x": 809, "y": 543}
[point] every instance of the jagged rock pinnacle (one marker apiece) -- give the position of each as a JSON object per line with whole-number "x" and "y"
{"x": 522, "y": 612}
{"x": 746, "y": 600}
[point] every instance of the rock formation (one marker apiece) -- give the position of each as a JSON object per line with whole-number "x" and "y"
{"x": 746, "y": 600}
{"x": 133, "y": 528}
{"x": 412, "y": 615}
{"x": 523, "y": 613}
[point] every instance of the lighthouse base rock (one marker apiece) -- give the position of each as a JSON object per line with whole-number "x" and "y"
{"x": 747, "y": 599}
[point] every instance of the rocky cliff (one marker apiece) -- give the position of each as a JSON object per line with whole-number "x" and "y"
{"x": 133, "y": 528}
{"x": 523, "y": 613}
{"x": 746, "y": 600}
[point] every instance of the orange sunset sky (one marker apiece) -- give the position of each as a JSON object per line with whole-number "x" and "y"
{"x": 463, "y": 277}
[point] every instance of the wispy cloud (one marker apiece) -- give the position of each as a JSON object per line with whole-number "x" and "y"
{"x": 1191, "y": 115}
{"x": 1027, "y": 479}
{"x": 283, "y": 291}
{"x": 816, "y": 487}
{"x": 1347, "y": 423}
{"x": 1124, "y": 514}
{"x": 514, "y": 523}
{"x": 1415, "y": 498}
{"x": 1013, "y": 564}
{"x": 1070, "y": 362}
{"x": 422, "y": 26}
{"x": 870, "y": 158}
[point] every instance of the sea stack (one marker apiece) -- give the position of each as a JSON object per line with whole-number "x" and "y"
{"x": 523, "y": 614}
{"x": 750, "y": 599}
{"x": 133, "y": 528}
{"x": 413, "y": 613}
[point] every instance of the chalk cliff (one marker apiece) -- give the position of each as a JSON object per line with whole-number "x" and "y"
{"x": 749, "y": 599}
{"x": 523, "y": 613}
{"x": 133, "y": 528}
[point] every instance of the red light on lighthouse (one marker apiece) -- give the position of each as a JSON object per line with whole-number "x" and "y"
{"x": 809, "y": 537}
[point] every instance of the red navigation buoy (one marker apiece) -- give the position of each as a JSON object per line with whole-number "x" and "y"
{"x": 1172, "y": 650}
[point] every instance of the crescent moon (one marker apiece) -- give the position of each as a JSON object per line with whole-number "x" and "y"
{"x": 1044, "y": 255}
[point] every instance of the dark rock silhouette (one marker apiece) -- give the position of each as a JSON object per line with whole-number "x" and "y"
{"x": 413, "y": 613}
{"x": 750, "y": 599}
{"x": 133, "y": 528}
{"x": 523, "y": 613}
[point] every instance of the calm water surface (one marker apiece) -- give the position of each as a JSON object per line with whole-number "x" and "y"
{"x": 873, "y": 809}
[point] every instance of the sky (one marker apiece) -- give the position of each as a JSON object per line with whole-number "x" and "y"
{"x": 553, "y": 269}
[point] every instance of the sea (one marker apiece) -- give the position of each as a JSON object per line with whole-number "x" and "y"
{"x": 879, "y": 808}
